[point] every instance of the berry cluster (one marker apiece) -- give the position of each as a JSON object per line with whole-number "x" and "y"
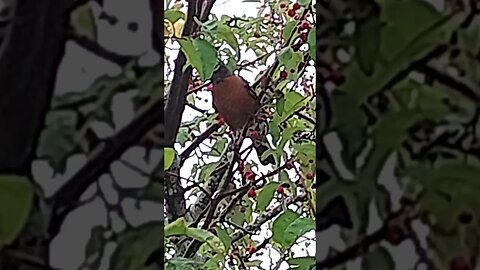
{"x": 293, "y": 10}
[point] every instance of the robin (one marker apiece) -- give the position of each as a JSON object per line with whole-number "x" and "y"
{"x": 237, "y": 103}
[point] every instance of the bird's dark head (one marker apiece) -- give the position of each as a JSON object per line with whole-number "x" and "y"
{"x": 221, "y": 73}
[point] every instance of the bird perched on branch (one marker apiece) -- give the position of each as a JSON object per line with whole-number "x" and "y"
{"x": 237, "y": 103}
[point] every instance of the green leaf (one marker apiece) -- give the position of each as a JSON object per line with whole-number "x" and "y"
{"x": 57, "y": 141}
{"x": 135, "y": 246}
{"x": 382, "y": 202}
{"x": 367, "y": 43}
{"x": 293, "y": 63}
{"x": 285, "y": 55}
{"x": 390, "y": 133}
{"x": 205, "y": 236}
{"x": 180, "y": 227}
{"x": 254, "y": 263}
{"x": 293, "y": 101}
{"x": 217, "y": 149}
{"x": 207, "y": 170}
{"x": 288, "y": 30}
{"x": 281, "y": 224}
{"x": 210, "y": 26}
{"x": 265, "y": 196}
{"x": 95, "y": 247}
{"x": 400, "y": 30}
{"x": 238, "y": 217}
{"x": 302, "y": 263}
{"x": 355, "y": 196}
{"x": 155, "y": 191}
{"x": 169, "y": 157}
{"x": 224, "y": 237}
{"x": 208, "y": 54}
{"x": 297, "y": 228}
{"x": 312, "y": 43}
{"x": 226, "y": 33}
{"x": 177, "y": 227}
{"x": 379, "y": 258}
{"x": 201, "y": 55}
{"x": 193, "y": 57}
{"x": 213, "y": 263}
{"x": 183, "y": 134}
{"x": 83, "y": 21}
{"x": 16, "y": 198}
{"x": 468, "y": 38}
{"x": 397, "y": 55}
{"x": 450, "y": 178}
{"x": 174, "y": 15}
{"x": 304, "y": 2}
{"x": 350, "y": 126}
{"x": 305, "y": 151}
{"x": 248, "y": 210}
{"x": 179, "y": 263}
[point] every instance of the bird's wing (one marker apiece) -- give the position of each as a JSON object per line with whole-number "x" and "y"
{"x": 249, "y": 88}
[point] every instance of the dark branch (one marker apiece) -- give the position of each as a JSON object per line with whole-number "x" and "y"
{"x": 95, "y": 48}
{"x": 104, "y": 154}
{"x": 186, "y": 153}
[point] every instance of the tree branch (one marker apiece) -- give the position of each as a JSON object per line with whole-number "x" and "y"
{"x": 29, "y": 57}
{"x": 175, "y": 101}
{"x": 198, "y": 140}
{"x": 101, "y": 156}
{"x": 95, "y": 48}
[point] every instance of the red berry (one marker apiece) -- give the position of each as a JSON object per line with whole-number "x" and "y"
{"x": 254, "y": 134}
{"x": 395, "y": 234}
{"x": 280, "y": 190}
{"x": 296, "y": 6}
{"x": 337, "y": 78}
{"x": 250, "y": 176}
{"x": 283, "y": 74}
{"x": 283, "y": 5}
{"x": 252, "y": 250}
{"x": 310, "y": 176}
{"x": 460, "y": 263}
{"x": 210, "y": 87}
{"x": 251, "y": 193}
{"x": 291, "y": 12}
{"x": 305, "y": 25}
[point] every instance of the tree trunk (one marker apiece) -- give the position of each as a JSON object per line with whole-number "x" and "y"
{"x": 30, "y": 52}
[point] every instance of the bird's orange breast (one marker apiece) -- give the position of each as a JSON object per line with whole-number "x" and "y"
{"x": 233, "y": 101}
